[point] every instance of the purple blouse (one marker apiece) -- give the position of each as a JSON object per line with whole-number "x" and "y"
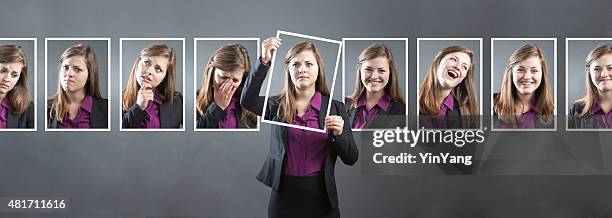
{"x": 602, "y": 120}
{"x": 4, "y": 109}
{"x": 81, "y": 121}
{"x": 363, "y": 116}
{"x": 527, "y": 120}
{"x": 306, "y": 150}
{"x": 439, "y": 121}
{"x": 230, "y": 121}
{"x": 152, "y": 120}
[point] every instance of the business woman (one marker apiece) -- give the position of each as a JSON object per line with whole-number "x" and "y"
{"x": 593, "y": 110}
{"x": 447, "y": 96}
{"x": 300, "y": 164}
{"x": 77, "y": 103}
{"x": 526, "y": 99}
{"x": 16, "y": 106}
{"x": 150, "y": 100}
{"x": 377, "y": 100}
{"x": 218, "y": 101}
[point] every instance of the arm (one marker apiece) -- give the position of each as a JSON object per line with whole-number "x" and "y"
{"x": 250, "y": 98}
{"x": 133, "y": 117}
{"x": 345, "y": 144}
{"x": 211, "y": 117}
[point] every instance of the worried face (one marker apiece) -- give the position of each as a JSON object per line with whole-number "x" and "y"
{"x": 9, "y": 76}
{"x": 304, "y": 69}
{"x": 453, "y": 69}
{"x": 151, "y": 70}
{"x": 375, "y": 74}
{"x": 232, "y": 77}
{"x": 73, "y": 74}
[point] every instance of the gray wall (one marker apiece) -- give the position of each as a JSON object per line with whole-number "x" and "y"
{"x": 55, "y": 48}
{"x": 208, "y": 174}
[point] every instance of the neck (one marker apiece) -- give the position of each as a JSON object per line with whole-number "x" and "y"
{"x": 372, "y": 98}
{"x": 443, "y": 93}
{"x": 2, "y": 96}
{"x": 304, "y": 94}
{"x": 525, "y": 101}
{"x": 76, "y": 97}
{"x": 604, "y": 96}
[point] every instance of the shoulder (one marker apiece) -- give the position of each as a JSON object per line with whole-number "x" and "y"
{"x": 576, "y": 108}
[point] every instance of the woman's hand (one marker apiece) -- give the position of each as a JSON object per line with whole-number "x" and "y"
{"x": 223, "y": 94}
{"x": 335, "y": 124}
{"x": 145, "y": 95}
{"x": 269, "y": 46}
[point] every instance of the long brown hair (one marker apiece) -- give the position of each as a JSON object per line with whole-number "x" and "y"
{"x": 591, "y": 95}
{"x": 465, "y": 92}
{"x": 60, "y": 101}
{"x": 506, "y": 102}
{"x": 231, "y": 57}
{"x": 392, "y": 87}
{"x": 286, "y": 96}
{"x": 19, "y": 95}
{"x": 166, "y": 89}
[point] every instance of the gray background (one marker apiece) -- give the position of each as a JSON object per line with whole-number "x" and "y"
{"x": 329, "y": 54}
{"x": 352, "y": 50}
{"x": 55, "y": 48}
{"x": 429, "y": 48}
{"x": 204, "y": 174}
{"x": 576, "y": 56}
{"x": 131, "y": 49}
{"x": 504, "y": 48}
{"x": 28, "y": 48}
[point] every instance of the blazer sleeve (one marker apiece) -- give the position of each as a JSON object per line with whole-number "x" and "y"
{"x": 345, "y": 144}
{"x": 133, "y": 117}
{"x": 250, "y": 98}
{"x": 571, "y": 118}
{"x": 30, "y": 116}
{"x": 211, "y": 117}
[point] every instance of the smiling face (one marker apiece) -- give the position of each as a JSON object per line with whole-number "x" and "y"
{"x": 73, "y": 74}
{"x": 527, "y": 75}
{"x": 9, "y": 76}
{"x": 303, "y": 69}
{"x": 601, "y": 73}
{"x": 375, "y": 74}
{"x": 232, "y": 77}
{"x": 151, "y": 70}
{"x": 453, "y": 69}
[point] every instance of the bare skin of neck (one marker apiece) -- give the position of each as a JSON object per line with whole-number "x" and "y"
{"x": 75, "y": 99}
{"x": 605, "y": 100}
{"x": 524, "y": 103}
{"x": 303, "y": 98}
{"x": 372, "y": 98}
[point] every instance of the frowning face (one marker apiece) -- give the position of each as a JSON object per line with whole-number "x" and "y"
{"x": 303, "y": 69}
{"x": 9, "y": 76}
{"x": 73, "y": 74}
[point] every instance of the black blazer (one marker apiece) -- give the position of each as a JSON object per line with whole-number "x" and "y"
{"x": 575, "y": 122}
{"x": 98, "y": 118}
{"x": 270, "y": 173}
{"x": 215, "y": 114}
{"x": 24, "y": 121}
{"x": 453, "y": 118}
{"x": 396, "y": 110}
{"x": 497, "y": 123}
{"x": 170, "y": 114}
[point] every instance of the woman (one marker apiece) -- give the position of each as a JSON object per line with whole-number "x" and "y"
{"x": 300, "y": 164}
{"x": 150, "y": 100}
{"x": 16, "y": 106}
{"x": 526, "y": 99}
{"x": 217, "y": 103}
{"x": 77, "y": 103}
{"x": 598, "y": 96}
{"x": 447, "y": 96}
{"x": 377, "y": 91}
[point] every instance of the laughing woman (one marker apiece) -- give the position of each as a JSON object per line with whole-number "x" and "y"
{"x": 377, "y": 91}
{"x": 77, "y": 103}
{"x": 218, "y": 103}
{"x": 300, "y": 164}
{"x": 526, "y": 99}
{"x": 447, "y": 96}
{"x": 598, "y": 96}
{"x": 150, "y": 101}
{"x": 16, "y": 107}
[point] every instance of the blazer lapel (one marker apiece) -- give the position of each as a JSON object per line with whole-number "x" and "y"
{"x": 323, "y": 110}
{"x": 165, "y": 114}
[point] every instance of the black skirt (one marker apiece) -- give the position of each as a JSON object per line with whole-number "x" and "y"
{"x": 301, "y": 196}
